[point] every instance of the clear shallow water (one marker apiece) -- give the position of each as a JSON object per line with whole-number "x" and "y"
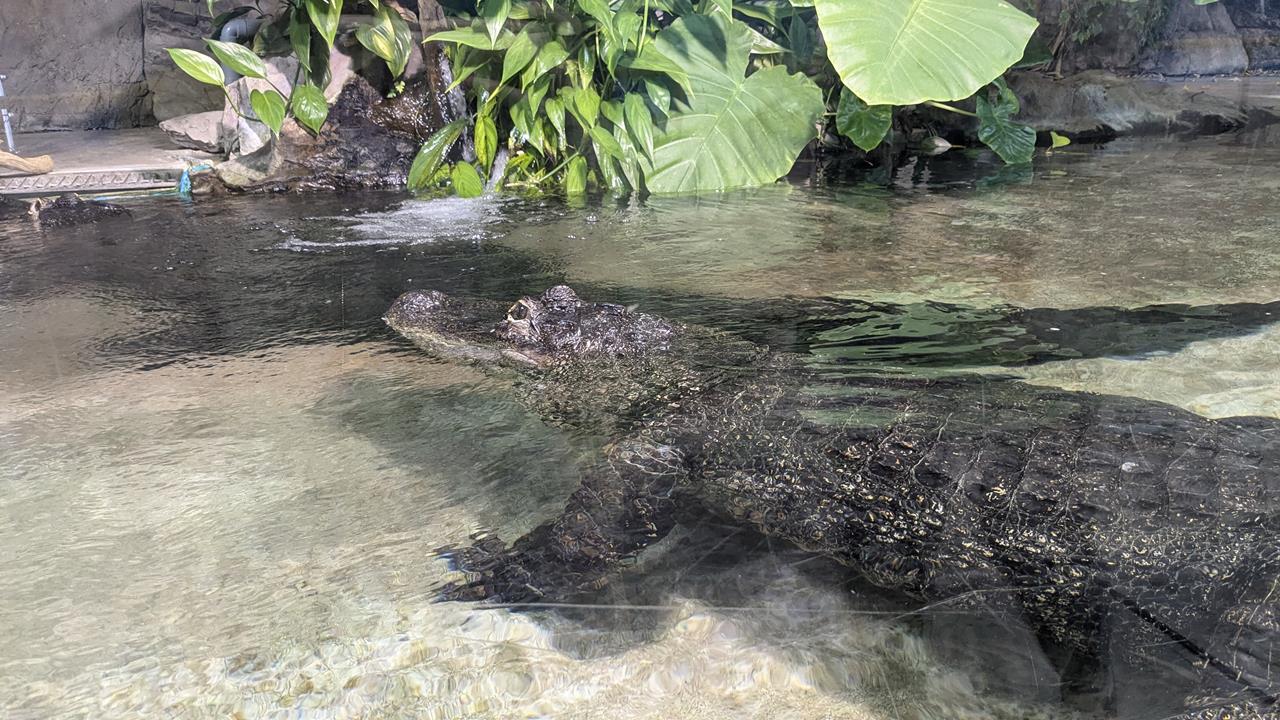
{"x": 224, "y": 481}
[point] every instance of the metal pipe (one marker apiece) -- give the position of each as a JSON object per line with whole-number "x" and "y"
{"x": 4, "y": 114}
{"x": 237, "y": 30}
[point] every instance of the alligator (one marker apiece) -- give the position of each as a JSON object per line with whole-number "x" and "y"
{"x": 1117, "y": 527}
{"x": 71, "y": 209}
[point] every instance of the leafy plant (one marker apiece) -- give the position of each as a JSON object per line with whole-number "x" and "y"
{"x": 733, "y": 131}
{"x": 891, "y": 52}
{"x": 305, "y": 29}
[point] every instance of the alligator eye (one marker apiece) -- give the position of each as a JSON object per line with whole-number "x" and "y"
{"x": 518, "y": 312}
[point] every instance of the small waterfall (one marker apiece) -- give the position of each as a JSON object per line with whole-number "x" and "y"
{"x": 452, "y": 103}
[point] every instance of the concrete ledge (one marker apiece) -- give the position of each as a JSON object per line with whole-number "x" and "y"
{"x": 101, "y": 161}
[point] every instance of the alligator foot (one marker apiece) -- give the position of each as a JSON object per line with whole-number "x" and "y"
{"x": 623, "y": 505}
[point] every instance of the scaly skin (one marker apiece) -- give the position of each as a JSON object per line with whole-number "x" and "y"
{"x": 1113, "y": 524}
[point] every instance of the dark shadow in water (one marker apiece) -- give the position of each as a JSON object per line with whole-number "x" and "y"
{"x": 212, "y": 281}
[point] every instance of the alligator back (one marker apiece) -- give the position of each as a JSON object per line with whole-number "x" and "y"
{"x": 1115, "y": 523}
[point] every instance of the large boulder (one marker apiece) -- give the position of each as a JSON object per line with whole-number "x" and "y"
{"x": 1097, "y": 103}
{"x": 197, "y": 131}
{"x": 351, "y": 151}
{"x": 244, "y": 134}
{"x": 1197, "y": 40}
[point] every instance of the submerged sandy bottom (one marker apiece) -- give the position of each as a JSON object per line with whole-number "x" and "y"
{"x": 252, "y": 537}
{"x": 1215, "y": 378}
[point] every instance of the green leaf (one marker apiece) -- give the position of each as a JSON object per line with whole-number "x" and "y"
{"x": 866, "y": 125}
{"x": 486, "y": 140}
{"x": 659, "y": 96}
{"x": 903, "y": 52}
{"x": 736, "y": 131}
{"x": 601, "y": 12}
{"x": 772, "y": 12}
{"x": 1058, "y": 140}
{"x": 239, "y": 58}
{"x": 801, "y": 40}
{"x": 587, "y": 102}
{"x": 466, "y": 181}
{"x": 475, "y": 37}
{"x": 612, "y": 111}
{"x": 654, "y": 59}
{"x": 431, "y": 155}
{"x": 325, "y": 15}
{"x": 389, "y": 38}
{"x": 197, "y": 65}
{"x": 554, "y": 109}
{"x": 606, "y": 142}
{"x": 1014, "y": 142}
{"x": 495, "y": 14}
{"x": 575, "y": 176}
{"x": 300, "y": 38}
{"x": 550, "y": 56}
{"x": 269, "y": 107}
{"x": 519, "y": 55}
{"x": 639, "y": 122}
{"x": 761, "y": 45}
{"x": 309, "y": 106}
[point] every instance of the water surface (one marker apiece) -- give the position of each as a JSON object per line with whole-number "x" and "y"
{"x": 225, "y": 482}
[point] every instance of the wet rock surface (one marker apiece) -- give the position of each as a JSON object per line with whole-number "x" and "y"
{"x": 1099, "y": 104}
{"x": 352, "y": 150}
{"x": 13, "y": 209}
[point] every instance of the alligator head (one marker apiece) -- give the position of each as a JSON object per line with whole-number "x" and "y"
{"x": 536, "y": 332}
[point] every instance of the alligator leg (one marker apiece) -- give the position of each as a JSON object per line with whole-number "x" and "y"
{"x": 622, "y": 506}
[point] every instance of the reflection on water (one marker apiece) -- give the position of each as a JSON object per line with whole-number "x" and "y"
{"x": 225, "y": 481}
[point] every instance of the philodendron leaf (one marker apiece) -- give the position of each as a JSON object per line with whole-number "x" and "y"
{"x": 519, "y": 55}
{"x": 197, "y": 65}
{"x": 651, "y": 58}
{"x": 466, "y": 181}
{"x": 903, "y": 52}
{"x": 431, "y": 155}
{"x": 575, "y": 176}
{"x": 269, "y": 107}
{"x": 239, "y": 58}
{"x": 1014, "y": 142}
{"x": 325, "y": 15}
{"x": 389, "y": 38}
{"x": 735, "y": 131}
{"x": 864, "y": 124}
{"x": 639, "y": 122}
{"x": 550, "y": 56}
{"x": 475, "y": 37}
{"x": 300, "y": 38}
{"x": 605, "y": 143}
{"x": 495, "y": 14}
{"x": 309, "y": 106}
{"x": 486, "y": 140}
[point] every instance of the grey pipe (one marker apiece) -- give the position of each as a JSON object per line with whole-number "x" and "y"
{"x": 235, "y": 31}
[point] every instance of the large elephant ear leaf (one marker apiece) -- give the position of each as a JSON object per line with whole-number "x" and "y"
{"x": 734, "y": 131}
{"x": 902, "y": 52}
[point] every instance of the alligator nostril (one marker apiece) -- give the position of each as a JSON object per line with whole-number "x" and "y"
{"x": 518, "y": 312}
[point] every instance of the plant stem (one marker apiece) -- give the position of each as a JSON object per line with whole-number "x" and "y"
{"x": 950, "y": 108}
